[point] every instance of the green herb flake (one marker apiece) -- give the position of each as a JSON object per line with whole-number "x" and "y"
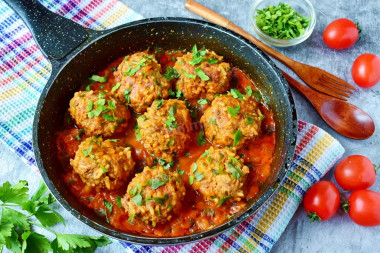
{"x": 159, "y": 103}
{"x": 257, "y": 95}
{"x": 170, "y": 73}
{"x": 113, "y": 140}
{"x": 212, "y": 121}
{"x": 233, "y": 111}
{"x": 86, "y": 152}
{"x": 170, "y": 142}
{"x": 137, "y": 132}
{"x": 236, "y": 94}
{"x": 262, "y": 117}
{"x": 222, "y": 200}
{"x": 100, "y": 79}
{"x": 90, "y": 105}
{"x": 114, "y": 88}
{"x": 171, "y": 93}
{"x": 203, "y": 101}
{"x": 281, "y": 22}
{"x": 237, "y": 137}
{"x": 138, "y": 200}
{"x": 212, "y": 61}
{"x": 230, "y": 216}
{"x": 197, "y": 55}
{"x": 161, "y": 180}
{"x": 199, "y": 176}
{"x": 195, "y": 167}
{"x": 126, "y": 95}
{"x": 188, "y": 75}
{"x": 201, "y": 74}
{"x": 187, "y": 154}
{"x": 248, "y": 91}
{"x": 249, "y": 120}
{"x": 104, "y": 170}
{"x": 108, "y": 117}
{"x": 133, "y": 71}
{"x": 77, "y": 138}
{"x": 201, "y": 139}
{"x": 118, "y": 201}
{"x": 131, "y": 217}
{"x": 191, "y": 180}
{"x": 180, "y": 172}
{"x": 161, "y": 200}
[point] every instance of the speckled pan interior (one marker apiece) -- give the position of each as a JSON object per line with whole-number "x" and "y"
{"x": 169, "y": 33}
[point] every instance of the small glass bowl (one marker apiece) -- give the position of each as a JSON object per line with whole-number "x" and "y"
{"x": 303, "y": 7}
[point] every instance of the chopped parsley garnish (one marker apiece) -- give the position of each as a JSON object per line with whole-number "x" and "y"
{"x": 195, "y": 167}
{"x": 171, "y": 73}
{"x": 86, "y": 152}
{"x": 77, "y": 137}
{"x": 233, "y": 111}
{"x": 171, "y": 93}
{"x": 159, "y": 103}
{"x": 118, "y": 201}
{"x": 131, "y": 72}
{"x": 179, "y": 94}
{"x": 236, "y": 94}
{"x": 113, "y": 140}
{"x": 90, "y": 105}
{"x": 230, "y": 216}
{"x": 108, "y": 117}
{"x": 117, "y": 86}
{"x": 188, "y": 75}
{"x": 248, "y": 91}
{"x": 131, "y": 217}
{"x": 171, "y": 121}
{"x": 203, "y": 101}
{"x": 212, "y": 121}
{"x": 191, "y": 180}
{"x": 222, "y": 200}
{"x": 137, "y": 132}
{"x": 161, "y": 180}
{"x": 201, "y": 74}
{"x": 213, "y": 61}
{"x": 126, "y": 58}
{"x": 138, "y": 200}
{"x": 201, "y": 138}
{"x": 100, "y": 79}
{"x": 262, "y": 117}
{"x": 199, "y": 176}
{"x": 249, "y": 120}
{"x": 237, "y": 137}
{"x": 101, "y": 86}
{"x": 104, "y": 170}
{"x": 235, "y": 171}
{"x": 257, "y": 95}
{"x": 126, "y": 95}
{"x": 187, "y": 154}
{"x": 197, "y": 55}
{"x": 281, "y": 22}
{"x": 180, "y": 172}
{"x": 161, "y": 200}
{"x": 205, "y": 153}
{"x": 170, "y": 142}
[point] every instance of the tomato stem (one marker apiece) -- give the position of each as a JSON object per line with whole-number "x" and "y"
{"x": 359, "y": 29}
{"x": 377, "y": 167}
{"x": 345, "y": 207}
{"x": 313, "y": 217}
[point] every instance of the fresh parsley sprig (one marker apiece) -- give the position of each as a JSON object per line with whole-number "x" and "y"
{"x": 21, "y": 213}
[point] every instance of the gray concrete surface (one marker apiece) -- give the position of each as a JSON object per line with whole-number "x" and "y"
{"x": 338, "y": 234}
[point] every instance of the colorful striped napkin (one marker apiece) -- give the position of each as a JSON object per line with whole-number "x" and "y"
{"x": 24, "y": 71}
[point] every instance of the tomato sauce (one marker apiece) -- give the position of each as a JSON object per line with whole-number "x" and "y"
{"x": 196, "y": 214}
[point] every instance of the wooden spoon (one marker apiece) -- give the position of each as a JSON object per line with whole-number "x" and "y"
{"x": 343, "y": 117}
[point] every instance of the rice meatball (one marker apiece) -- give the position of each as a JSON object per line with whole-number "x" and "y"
{"x": 165, "y": 128}
{"x": 219, "y": 175}
{"x": 141, "y": 81}
{"x": 102, "y": 164}
{"x": 154, "y": 195}
{"x": 98, "y": 113}
{"x": 202, "y": 79}
{"x": 231, "y": 121}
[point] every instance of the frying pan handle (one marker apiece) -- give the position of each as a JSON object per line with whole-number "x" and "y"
{"x": 55, "y": 35}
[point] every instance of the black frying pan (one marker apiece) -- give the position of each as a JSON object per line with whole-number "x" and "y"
{"x": 76, "y": 53}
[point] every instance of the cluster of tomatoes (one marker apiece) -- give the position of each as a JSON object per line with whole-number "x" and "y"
{"x": 343, "y": 33}
{"x": 355, "y": 173}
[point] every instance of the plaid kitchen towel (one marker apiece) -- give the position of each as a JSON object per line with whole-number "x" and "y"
{"x": 24, "y": 71}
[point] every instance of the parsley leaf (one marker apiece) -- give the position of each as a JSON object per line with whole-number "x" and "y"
{"x": 89, "y": 105}
{"x": 131, "y": 72}
{"x": 47, "y": 216}
{"x": 100, "y": 79}
{"x": 236, "y": 94}
{"x": 199, "y": 176}
{"x": 237, "y": 137}
{"x": 257, "y": 95}
{"x": 138, "y": 200}
{"x": 249, "y": 120}
{"x": 248, "y": 90}
{"x": 126, "y": 95}
{"x": 201, "y": 74}
{"x": 222, "y": 200}
{"x": 197, "y": 55}
{"x": 18, "y": 219}
{"x": 187, "y": 154}
{"x": 192, "y": 76}
{"x": 117, "y": 86}
{"x": 86, "y": 152}
{"x": 203, "y": 101}
{"x": 161, "y": 180}
{"x": 170, "y": 73}
{"x": 137, "y": 132}
{"x": 233, "y": 111}
{"x": 16, "y": 193}
{"x": 108, "y": 117}
{"x": 118, "y": 201}
{"x": 213, "y": 61}
{"x": 161, "y": 200}
{"x": 34, "y": 242}
{"x": 159, "y": 103}
{"x": 201, "y": 140}
{"x": 191, "y": 180}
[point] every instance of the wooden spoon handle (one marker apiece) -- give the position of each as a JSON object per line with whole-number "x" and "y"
{"x": 215, "y": 18}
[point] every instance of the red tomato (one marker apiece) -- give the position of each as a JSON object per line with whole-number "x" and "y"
{"x": 364, "y": 208}
{"x": 341, "y": 34}
{"x": 366, "y": 70}
{"x": 321, "y": 201}
{"x": 355, "y": 172}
